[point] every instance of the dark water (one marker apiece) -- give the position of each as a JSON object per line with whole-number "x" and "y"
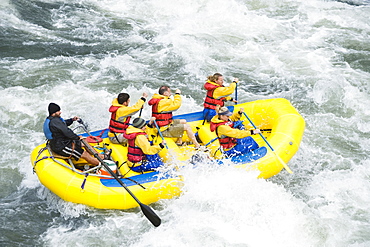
{"x": 81, "y": 54}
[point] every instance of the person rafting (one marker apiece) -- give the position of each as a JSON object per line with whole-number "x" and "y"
{"x": 142, "y": 155}
{"x": 63, "y": 140}
{"x": 162, "y": 107}
{"x": 217, "y": 94}
{"x": 234, "y": 139}
{"x": 121, "y": 114}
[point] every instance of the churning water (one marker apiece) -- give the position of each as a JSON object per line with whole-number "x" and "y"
{"x": 81, "y": 53}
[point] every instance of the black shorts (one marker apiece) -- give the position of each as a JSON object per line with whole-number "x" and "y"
{"x": 72, "y": 149}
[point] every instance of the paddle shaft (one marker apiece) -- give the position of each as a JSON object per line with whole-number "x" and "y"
{"x": 272, "y": 149}
{"x": 84, "y": 126}
{"x": 85, "y": 129}
{"x": 236, "y": 93}
{"x": 160, "y": 133}
{"x": 148, "y": 212}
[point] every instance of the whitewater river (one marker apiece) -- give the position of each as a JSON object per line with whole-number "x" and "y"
{"x": 81, "y": 53}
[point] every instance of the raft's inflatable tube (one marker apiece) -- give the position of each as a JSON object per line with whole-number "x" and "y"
{"x": 210, "y": 140}
{"x": 104, "y": 193}
{"x": 285, "y": 125}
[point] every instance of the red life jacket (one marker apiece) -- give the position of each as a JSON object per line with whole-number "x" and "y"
{"x": 117, "y": 126}
{"x": 210, "y": 102}
{"x": 134, "y": 154}
{"x": 226, "y": 142}
{"x": 162, "y": 119}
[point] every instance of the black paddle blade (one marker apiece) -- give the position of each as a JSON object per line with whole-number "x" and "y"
{"x": 149, "y": 213}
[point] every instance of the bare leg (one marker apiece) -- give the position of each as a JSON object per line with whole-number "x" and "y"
{"x": 89, "y": 158}
{"x": 93, "y": 161}
{"x": 191, "y": 135}
{"x": 179, "y": 141}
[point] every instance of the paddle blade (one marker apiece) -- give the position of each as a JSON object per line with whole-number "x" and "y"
{"x": 283, "y": 163}
{"x": 149, "y": 213}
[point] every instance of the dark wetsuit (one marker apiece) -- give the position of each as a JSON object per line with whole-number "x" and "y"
{"x": 62, "y": 139}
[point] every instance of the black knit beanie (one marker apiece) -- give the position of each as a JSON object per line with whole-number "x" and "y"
{"x": 53, "y": 108}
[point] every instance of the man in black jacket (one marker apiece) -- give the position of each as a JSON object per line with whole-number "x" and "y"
{"x": 63, "y": 140}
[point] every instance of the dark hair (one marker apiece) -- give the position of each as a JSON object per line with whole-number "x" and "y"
{"x": 122, "y": 98}
{"x": 163, "y": 89}
{"x": 214, "y": 77}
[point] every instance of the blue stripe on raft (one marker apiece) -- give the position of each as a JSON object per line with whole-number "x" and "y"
{"x": 141, "y": 179}
{"x": 231, "y": 108}
{"x": 97, "y": 133}
{"x": 196, "y": 116}
{"x": 190, "y": 117}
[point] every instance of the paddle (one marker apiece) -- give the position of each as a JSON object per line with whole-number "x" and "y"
{"x": 267, "y": 130}
{"x": 143, "y": 98}
{"x": 148, "y": 212}
{"x": 96, "y": 139}
{"x": 277, "y": 156}
{"x": 84, "y": 126}
{"x": 236, "y": 93}
{"x": 160, "y": 133}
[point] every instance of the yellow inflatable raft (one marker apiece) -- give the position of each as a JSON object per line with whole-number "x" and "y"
{"x": 282, "y": 127}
